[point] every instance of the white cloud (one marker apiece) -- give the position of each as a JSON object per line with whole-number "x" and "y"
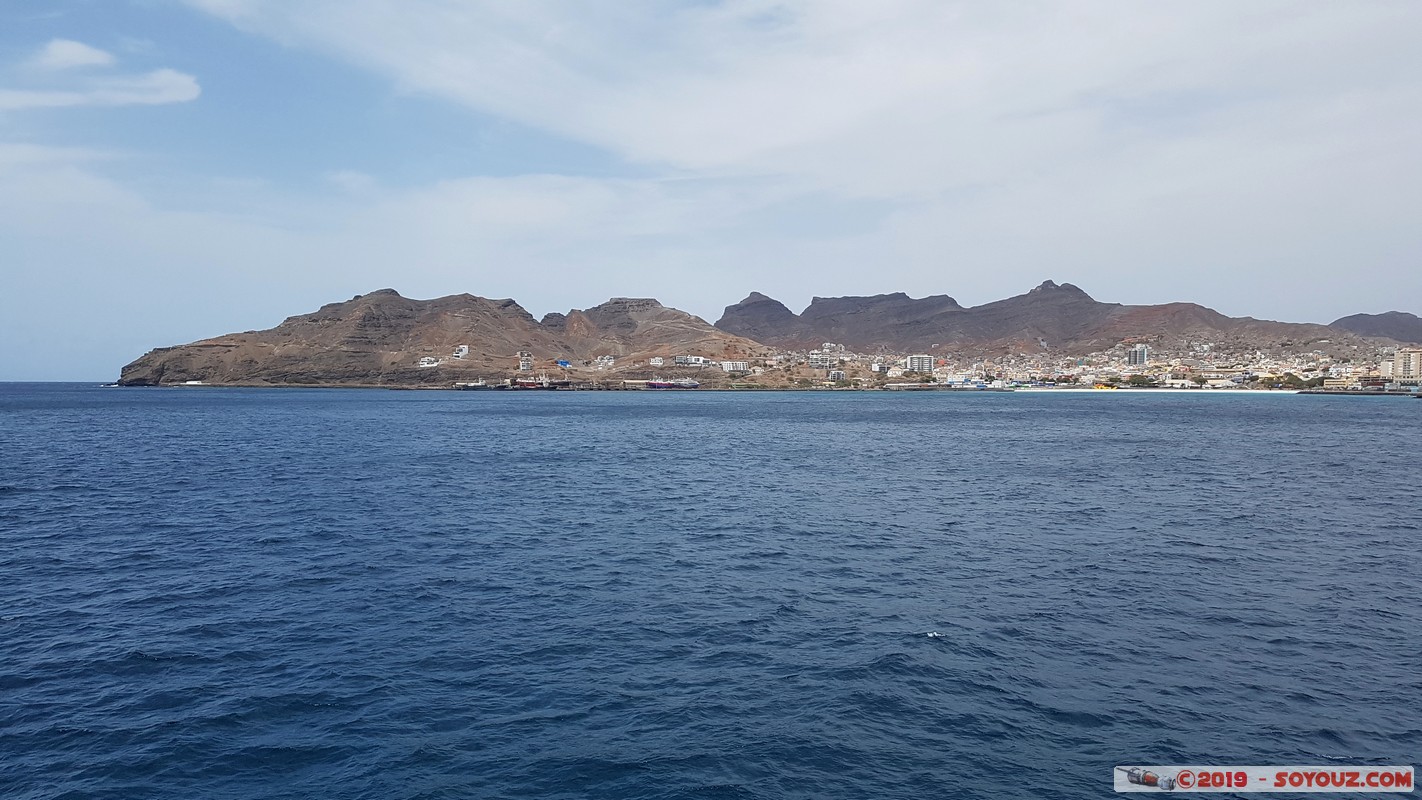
{"x": 63, "y": 54}
{"x": 159, "y": 87}
{"x": 882, "y": 98}
{"x": 59, "y": 80}
{"x": 1204, "y": 150}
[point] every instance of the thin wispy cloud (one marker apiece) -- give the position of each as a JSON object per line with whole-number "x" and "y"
{"x": 884, "y": 98}
{"x": 67, "y": 73}
{"x": 63, "y": 54}
{"x": 153, "y": 88}
{"x": 14, "y": 155}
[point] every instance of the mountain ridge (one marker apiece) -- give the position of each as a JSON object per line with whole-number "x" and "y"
{"x": 1048, "y": 317}
{"x": 380, "y": 338}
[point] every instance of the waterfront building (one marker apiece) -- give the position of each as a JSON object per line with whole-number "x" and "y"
{"x": 1139, "y": 356}
{"x": 525, "y": 361}
{"x": 1407, "y": 364}
{"x": 735, "y": 367}
{"x": 836, "y": 375}
{"x": 919, "y": 363}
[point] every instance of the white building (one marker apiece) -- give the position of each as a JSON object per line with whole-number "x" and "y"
{"x": 919, "y": 363}
{"x": 735, "y": 366}
{"x": 461, "y": 351}
{"x": 820, "y": 360}
{"x": 525, "y": 361}
{"x": 428, "y": 361}
{"x": 836, "y": 375}
{"x": 690, "y": 361}
{"x": 1407, "y": 364}
{"x": 655, "y": 361}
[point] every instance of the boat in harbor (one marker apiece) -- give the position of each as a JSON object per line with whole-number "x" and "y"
{"x": 473, "y": 385}
{"x": 675, "y": 383}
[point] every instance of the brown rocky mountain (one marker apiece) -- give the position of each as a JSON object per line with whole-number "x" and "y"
{"x": 379, "y": 338}
{"x": 1060, "y": 318}
{"x": 1396, "y": 325}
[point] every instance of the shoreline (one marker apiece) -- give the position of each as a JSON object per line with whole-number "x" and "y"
{"x": 743, "y": 389}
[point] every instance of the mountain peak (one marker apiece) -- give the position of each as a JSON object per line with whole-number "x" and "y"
{"x": 1060, "y": 289}
{"x": 627, "y": 304}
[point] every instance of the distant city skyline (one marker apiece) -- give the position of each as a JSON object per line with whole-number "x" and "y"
{"x": 172, "y": 170}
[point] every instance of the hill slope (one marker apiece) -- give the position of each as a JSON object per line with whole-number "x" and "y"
{"x": 1398, "y": 325}
{"x": 379, "y": 338}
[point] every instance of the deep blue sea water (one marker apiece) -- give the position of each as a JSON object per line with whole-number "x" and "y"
{"x": 213, "y": 593}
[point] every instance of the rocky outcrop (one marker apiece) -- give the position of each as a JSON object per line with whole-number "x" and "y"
{"x": 884, "y": 321}
{"x": 1396, "y": 325}
{"x": 764, "y": 320}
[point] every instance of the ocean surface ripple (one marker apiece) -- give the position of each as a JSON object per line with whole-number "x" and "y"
{"x": 216, "y": 593}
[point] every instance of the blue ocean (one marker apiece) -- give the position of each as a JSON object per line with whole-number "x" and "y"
{"x": 233, "y": 594}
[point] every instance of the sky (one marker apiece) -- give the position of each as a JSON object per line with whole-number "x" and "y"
{"x": 172, "y": 170}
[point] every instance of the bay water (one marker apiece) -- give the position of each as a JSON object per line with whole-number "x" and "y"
{"x": 242, "y": 593}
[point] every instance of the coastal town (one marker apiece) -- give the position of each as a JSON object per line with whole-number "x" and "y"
{"x": 1054, "y": 336}
{"x": 834, "y": 366}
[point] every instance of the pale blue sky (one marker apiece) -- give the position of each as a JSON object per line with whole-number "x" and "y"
{"x": 176, "y": 169}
